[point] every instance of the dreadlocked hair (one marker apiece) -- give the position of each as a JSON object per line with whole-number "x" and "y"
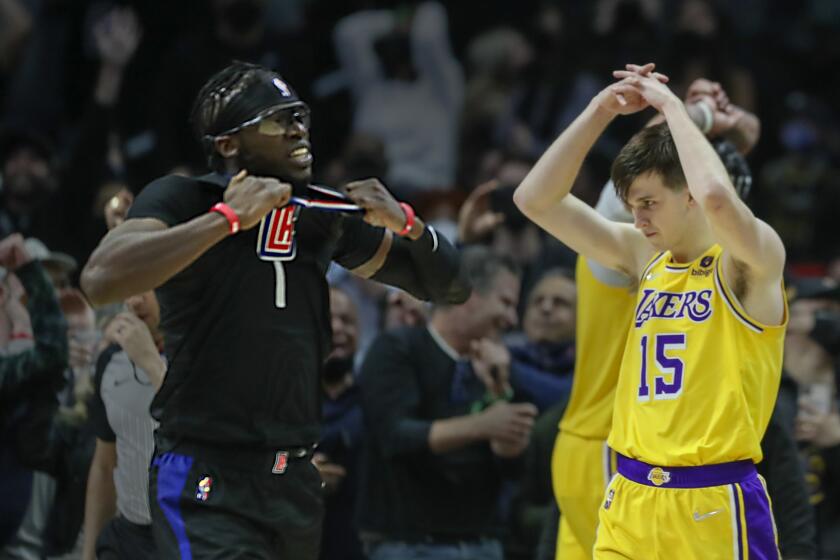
{"x": 215, "y": 96}
{"x": 219, "y": 91}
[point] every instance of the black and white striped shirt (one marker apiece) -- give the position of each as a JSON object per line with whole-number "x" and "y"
{"x": 119, "y": 412}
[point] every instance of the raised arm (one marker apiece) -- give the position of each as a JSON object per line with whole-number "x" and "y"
{"x": 745, "y": 237}
{"x": 142, "y": 253}
{"x": 44, "y": 362}
{"x": 747, "y": 241}
{"x": 354, "y": 37}
{"x": 734, "y": 123}
{"x": 432, "y": 53}
{"x": 544, "y": 195}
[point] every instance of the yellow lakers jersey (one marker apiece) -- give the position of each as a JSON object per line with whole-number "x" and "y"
{"x": 699, "y": 377}
{"x": 603, "y": 318}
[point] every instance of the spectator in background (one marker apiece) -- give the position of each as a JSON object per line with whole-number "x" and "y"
{"x": 338, "y": 453}
{"x": 60, "y": 457}
{"x": 403, "y": 310}
{"x": 802, "y": 185}
{"x": 811, "y": 350}
{"x": 543, "y": 102}
{"x": 34, "y": 349}
{"x": 497, "y": 60}
{"x": 117, "y": 519}
{"x": 116, "y": 209}
{"x": 55, "y": 202}
{"x": 60, "y": 267}
{"x": 15, "y": 25}
{"x": 489, "y": 216}
{"x": 442, "y": 432}
{"x": 408, "y": 90}
{"x": 237, "y": 30}
{"x": 363, "y": 156}
{"x": 543, "y": 356}
{"x": 702, "y": 40}
{"x": 29, "y": 182}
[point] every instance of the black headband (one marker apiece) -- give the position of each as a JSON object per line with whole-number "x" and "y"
{"x": 270, "y": 91}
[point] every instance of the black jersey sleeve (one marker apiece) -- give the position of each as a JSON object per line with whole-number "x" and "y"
{"x": 357, "y": 243}
{"x": 429, "y": 268}
{"x": 172, "y": 199}
{"x": 96, "y": 407}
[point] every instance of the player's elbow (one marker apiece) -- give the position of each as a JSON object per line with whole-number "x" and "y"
{"x": 96, "y": 286}
{"x": 526, "y": 202}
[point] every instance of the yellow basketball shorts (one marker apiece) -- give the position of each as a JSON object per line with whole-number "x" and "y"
{"x": 580, "y": 471}
{"x": 706, "y": 512}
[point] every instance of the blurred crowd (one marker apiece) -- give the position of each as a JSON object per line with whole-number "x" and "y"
{"x": 450, "y": 105}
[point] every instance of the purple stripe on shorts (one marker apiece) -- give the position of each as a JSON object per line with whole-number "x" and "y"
{"x": 761, "y": 535}
{"x": 739, "y": 529}
{"x": 685, "y": 477}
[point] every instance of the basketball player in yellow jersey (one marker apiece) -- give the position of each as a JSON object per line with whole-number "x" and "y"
{"x": 582, "y": 463}
{"x": 702, "y": 360}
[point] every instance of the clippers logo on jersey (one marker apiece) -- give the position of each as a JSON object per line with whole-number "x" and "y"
{"x": 697, "y": 305}
{"x": 276, "y": 239}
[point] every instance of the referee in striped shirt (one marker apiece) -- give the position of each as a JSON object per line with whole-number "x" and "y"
{"x": 117, "y": 522}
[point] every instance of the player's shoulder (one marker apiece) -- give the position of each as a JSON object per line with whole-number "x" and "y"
{"x": 183, "y": 185}
{"x": 177, "y": 198}
{"x": 170, "y": 182}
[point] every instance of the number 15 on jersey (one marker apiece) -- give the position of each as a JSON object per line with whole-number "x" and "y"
{"x": 667, "y": 377}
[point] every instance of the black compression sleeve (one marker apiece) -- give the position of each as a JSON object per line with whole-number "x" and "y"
{"x": 427, "y": 268}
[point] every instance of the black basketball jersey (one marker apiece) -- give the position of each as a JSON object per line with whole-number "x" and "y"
{"x": 247, "y": 325}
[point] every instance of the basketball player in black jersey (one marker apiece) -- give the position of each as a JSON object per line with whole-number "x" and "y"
{"x": 238, "y": 259}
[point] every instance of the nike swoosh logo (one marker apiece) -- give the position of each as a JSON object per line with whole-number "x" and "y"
{"x": 698, "y": 517}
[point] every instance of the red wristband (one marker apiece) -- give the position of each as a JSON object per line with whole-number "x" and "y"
{"x": 409, "y": 219}
{"x": 228, "y": 213}
{"x": 20, "y": 336}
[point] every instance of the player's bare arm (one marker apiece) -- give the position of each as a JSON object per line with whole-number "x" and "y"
{"x": 754, "y": 254}
{"x": 142, "y": 253}
{"x": 544, "y": 195}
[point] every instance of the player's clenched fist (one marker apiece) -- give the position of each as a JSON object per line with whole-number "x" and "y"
{"x": 251, "y": 198}
{"x": 381, "y": 208}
